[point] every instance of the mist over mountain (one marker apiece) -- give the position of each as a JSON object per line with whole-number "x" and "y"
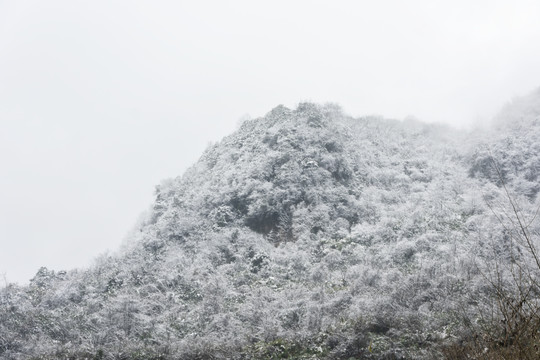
{"x": 306, "y": 234}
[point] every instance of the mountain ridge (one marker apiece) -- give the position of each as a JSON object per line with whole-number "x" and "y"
{"x": 305, "y": 234}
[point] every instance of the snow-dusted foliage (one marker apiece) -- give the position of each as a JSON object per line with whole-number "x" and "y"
{"x": 305, "y": 234}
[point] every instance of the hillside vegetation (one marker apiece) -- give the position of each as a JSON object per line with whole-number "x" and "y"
{"x": 308, "y": 234}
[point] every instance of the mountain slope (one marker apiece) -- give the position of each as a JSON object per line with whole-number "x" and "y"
{"x": 305, "y": 234}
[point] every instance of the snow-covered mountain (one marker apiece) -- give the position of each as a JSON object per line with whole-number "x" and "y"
{"x": 304, "y": 234}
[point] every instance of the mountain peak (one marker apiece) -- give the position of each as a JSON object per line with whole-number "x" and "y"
{"x": 306, "y": 233}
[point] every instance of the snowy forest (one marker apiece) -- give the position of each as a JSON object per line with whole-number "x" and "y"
{"x": 310, "y": 234}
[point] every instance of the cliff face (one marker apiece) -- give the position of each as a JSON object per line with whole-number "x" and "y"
{"x": 305, "y": 234}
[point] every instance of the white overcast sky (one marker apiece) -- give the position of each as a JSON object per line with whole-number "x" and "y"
{"x": 101, "y": 100}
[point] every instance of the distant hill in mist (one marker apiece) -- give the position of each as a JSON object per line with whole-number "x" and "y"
{"x": 309, "y": 234}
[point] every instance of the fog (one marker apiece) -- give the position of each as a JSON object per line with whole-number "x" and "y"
{"x": 101, "y": 100}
